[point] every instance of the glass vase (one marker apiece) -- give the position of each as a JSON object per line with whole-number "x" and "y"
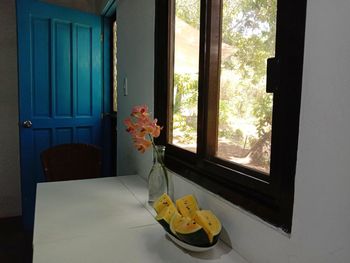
{"x": 159, "y": 180}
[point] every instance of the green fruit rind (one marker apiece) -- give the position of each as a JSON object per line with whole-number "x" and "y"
{"x": 198, "y": 238}
{"x": 165, "y": 215}
{"x": 188, "y": 231}
{"x": 210, "y": 223}
{"x": 164, "y": 224}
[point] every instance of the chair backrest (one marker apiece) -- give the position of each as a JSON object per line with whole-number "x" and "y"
{"x": 71, "y": 161}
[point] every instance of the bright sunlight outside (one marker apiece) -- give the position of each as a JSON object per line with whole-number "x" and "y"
{"x": 245, "y": 109}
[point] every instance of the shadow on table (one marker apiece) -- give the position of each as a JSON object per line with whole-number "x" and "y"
{"x": 221, "y": 249}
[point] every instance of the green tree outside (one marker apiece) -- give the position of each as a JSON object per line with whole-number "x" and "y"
{"x": 248, "y": 33}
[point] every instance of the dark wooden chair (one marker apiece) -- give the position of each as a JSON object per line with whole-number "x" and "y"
{"x": 71, "y": 162}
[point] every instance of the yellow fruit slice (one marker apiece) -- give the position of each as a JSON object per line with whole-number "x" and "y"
{"x": 187, "y": 205}
{"x": 209, "y": 222}
{"x": 163, "y": 201}
{"x": 165, "y": 215}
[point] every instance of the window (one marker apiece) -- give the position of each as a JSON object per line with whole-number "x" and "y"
{"x": 230, "y": 110}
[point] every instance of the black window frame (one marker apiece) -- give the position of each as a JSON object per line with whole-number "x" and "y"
{"x": 269, "y": 197}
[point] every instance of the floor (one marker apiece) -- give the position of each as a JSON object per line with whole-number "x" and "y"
{"x": 15, "y": 243}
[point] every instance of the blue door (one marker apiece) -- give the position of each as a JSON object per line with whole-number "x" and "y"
{"x": 60, "y": 86}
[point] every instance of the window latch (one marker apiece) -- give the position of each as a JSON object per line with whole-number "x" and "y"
{"x": 273, "y": 75}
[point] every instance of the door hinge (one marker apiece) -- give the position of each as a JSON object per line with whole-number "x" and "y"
{"x": 101, "y": 37}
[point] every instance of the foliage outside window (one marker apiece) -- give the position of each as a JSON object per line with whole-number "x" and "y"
{"x": 222, "y": 129}
{"x": 245, "y": 109}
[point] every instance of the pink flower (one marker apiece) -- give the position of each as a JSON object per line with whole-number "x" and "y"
{"x": 130, "y": 127}
{"x": 140, "y": 111}
{"x": 142, "y": 144}
{"x": 155, "y": 129}
{"x": 140, "y": 126}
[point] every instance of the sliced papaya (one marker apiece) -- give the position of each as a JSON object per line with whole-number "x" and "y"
{"x": 188, "y": 231}
{"x": 163, "y": 201}
{"x": 187, "y": 205}
{"x": 210, "y": 223}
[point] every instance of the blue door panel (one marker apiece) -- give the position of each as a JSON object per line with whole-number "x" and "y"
{"x": 85, "y": 134}
{"x": 42, "y": 139}
{"x": 84, "y": 70}
{"x": 62, "y": 69}
{"x": 64, "y": 135}
{"x": 40, "y": 52}
{"x": 60, "y": 86}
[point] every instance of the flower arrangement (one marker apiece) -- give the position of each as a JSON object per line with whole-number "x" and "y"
{"x": 142, "y": 128}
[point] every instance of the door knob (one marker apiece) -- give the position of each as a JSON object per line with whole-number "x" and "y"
{"x": 27, "y": 124}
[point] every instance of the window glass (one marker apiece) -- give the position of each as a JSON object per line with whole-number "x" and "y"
{"x": 245, "y": 109}
{"x": 183, "y": 126}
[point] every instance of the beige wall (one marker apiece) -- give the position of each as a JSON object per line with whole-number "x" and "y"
{"x": 10, "y": 197}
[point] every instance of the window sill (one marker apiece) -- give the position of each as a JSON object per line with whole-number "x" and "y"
{"x": 234, "y": 218}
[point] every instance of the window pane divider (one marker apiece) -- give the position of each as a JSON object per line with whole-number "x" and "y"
{"x": 209, "y": 78}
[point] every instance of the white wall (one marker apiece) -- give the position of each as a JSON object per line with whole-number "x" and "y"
{"x": 321, "y": 221}
{"x": 10, "y": 198}
{"x": 135, "y": 19}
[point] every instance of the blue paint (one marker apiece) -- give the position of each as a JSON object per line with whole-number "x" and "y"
{"x": 84, "y": 78}
{"x": 62, "y": 69}
{"x": 41, "y": 53}
{"x": 60, "y": 86}
{"x": 64, "y": 135}
{"x": 85, "y": 134}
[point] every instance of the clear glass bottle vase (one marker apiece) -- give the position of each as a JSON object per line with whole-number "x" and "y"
{"x": 159, "y": 180}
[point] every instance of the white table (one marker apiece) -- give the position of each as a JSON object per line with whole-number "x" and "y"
{"x": 106, "y": 220}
